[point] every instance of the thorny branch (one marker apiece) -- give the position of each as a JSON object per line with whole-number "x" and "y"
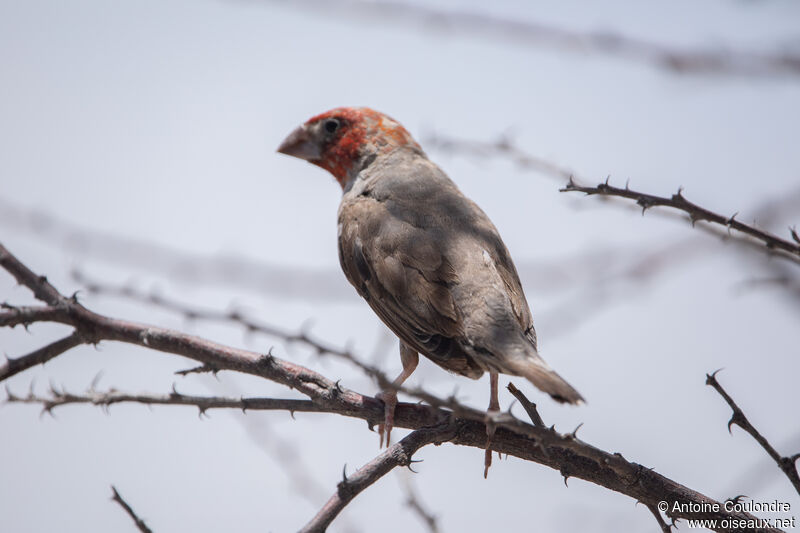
{"x": 140, "y": 525}
{"x": 233, "y": 316}
{"x": 504, "y": 147}
{"x": 41, "y": 355}
{"x": 695, "y": 212}
{"x": 787, "y": 464}
{"x": 399, "y": 454}
{"x": 565, "y": 453}
{"x": 517, "y": 31}
{"x": 60, "y": 398}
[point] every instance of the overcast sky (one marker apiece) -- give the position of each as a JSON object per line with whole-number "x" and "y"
{"x": 138, "y": 145}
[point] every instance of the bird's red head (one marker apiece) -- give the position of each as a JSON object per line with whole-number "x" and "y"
{"x": 342, "y": 139}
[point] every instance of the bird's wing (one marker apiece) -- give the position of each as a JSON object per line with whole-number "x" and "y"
{"x": 398, "y": 268}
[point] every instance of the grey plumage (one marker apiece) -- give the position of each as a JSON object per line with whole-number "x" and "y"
{"x": 433, "y": 267}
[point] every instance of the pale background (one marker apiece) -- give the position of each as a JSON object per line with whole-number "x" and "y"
{"x": 153, "y": 124}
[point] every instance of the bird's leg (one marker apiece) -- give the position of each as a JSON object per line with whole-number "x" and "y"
{"x": 494, "y": 407}
{"x": 410, "y": 358}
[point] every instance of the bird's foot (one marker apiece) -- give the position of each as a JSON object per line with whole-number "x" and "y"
{"x": 389, "y": 399}
{"x": 492, "y": 417}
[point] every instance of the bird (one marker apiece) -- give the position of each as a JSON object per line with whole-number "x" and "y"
{"x": 426, "y": 258}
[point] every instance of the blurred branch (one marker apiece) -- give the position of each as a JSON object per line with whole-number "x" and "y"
{"x": 787, "y": 464}
{"x": 695, "y": 212}
{"x": 398, "y": 454}
{"x": 504, "y": 147}
{"x": 233, "y": 316}
{"x": 414, "y": 503}
{"x": 140, "y": 525}
{"x": 564, "y": 453}
{"x": 234, "y": 271}
{"x": 530, "y": 33}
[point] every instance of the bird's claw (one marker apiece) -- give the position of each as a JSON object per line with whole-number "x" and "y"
{"x": 492, "y": 417}
{"x": 389, "y": 400}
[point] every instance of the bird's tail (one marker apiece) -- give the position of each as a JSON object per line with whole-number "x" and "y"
{"x": 546, "y": 379}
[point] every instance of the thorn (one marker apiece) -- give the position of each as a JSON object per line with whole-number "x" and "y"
{"x": 411, "y": 462}
{"x": 10, "y": 397}
{"x": 627, "y": 184}
{"x": 344, "y": 474}
{"x": 291, "y": 413}
{"x": 796, "y": 237}
{"x": 607, "y": 178}
{"x": 511, "y": 406}
{"x": 566, "y": 477}
{"x": 731, "y": 422}
{"x": 712, "y": 378}
{"x": 574, "y": 434}
{"x": 336, "y": 386}
{"x": 737, "y": 499}
{"x": 95, "y": 381}
{"x": 642, "y": 201}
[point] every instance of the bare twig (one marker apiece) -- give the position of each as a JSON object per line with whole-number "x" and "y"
{"x": 786, "y": 464}
{"x": 41, "y": 355}
{"x": 565, "y": 453}
{"x": 695, "y": 212}
{"x": 528, "y": 405}
{"x": 59, "y": 398}
{"x": 517, "y": 31}
{"x": 398, "y": 454}
{"x": 233, "y": 316}
{"x": 665, "y": 528}
{"x": 414, "y": 503}
{"x": 231, "y": 271}
{"x": 25, "y": 315}
{"x": 502, "y": 147}
{"x": 140, "y": 525}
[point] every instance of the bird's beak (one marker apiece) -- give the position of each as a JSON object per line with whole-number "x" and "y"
{"x": 300, "y": 144}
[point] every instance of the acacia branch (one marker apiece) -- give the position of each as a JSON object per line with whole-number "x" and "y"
{"x": 528, "y": 405}
{"x": 189, "y": 312}
{"x": 695, "y": 212}
{"x": 564, "y": 453}
{"x": 787, "y": 464}
{"x": 521, "y": 32}
{"x": 398, "y": 454}
{"x": 128, "y": 509}
{"x": 25, "y": 315}
{"x": 60, "y": 398}
{"x": 42, "y": 355}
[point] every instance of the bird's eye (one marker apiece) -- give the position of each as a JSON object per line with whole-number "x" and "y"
{"x": 331, "y": 125}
